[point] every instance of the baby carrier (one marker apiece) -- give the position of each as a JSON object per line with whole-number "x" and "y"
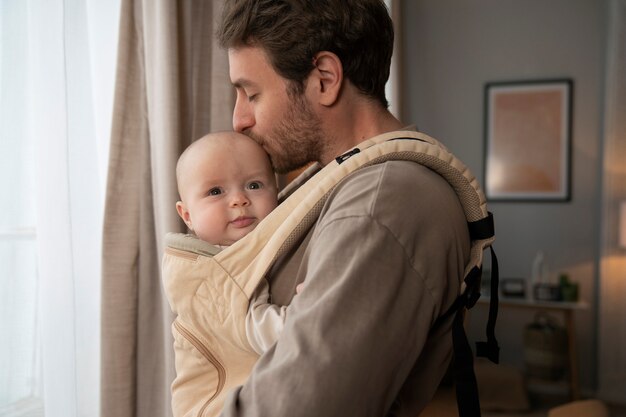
{"x": 210, "y": 290}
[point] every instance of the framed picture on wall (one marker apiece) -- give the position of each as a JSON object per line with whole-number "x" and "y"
{"x": 528, "y": 128}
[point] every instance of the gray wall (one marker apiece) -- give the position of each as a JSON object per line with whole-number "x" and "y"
{"x": 451, "y": 48}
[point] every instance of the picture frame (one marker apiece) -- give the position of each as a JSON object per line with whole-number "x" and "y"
{"x": 528, "y": 134}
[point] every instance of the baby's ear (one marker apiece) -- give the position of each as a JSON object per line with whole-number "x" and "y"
{"x": 184, "y": 213}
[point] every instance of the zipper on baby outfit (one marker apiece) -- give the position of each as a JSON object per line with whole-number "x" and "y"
{"x": 197, "y": 343}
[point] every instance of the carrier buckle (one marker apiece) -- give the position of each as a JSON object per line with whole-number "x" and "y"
{"x": 345, "y": 156}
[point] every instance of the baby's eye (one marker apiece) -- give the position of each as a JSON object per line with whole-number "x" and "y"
{"x": 255, "y": 185}
{"x": 215, "y": 191}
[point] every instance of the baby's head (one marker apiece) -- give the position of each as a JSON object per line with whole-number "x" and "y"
{"x": 226, "y": 187}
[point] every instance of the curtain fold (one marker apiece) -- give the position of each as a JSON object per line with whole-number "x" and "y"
{"x": 172, "y": 87}
{"x": 612, "y": 283}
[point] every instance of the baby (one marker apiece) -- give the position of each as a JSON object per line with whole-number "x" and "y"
{"x": 227, "y": 186}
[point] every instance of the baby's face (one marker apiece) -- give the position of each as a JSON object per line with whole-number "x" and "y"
{"x": 228, "y": 188}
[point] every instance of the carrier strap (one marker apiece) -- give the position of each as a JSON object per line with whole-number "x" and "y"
{"x": 490, "y": 348}
{"x": 467, "y": 399}
{"x": 468, "y": 402}
{"x": 466, "y": 387}
{"x": 482, "y": 229}
{"x": 478, "y": 230}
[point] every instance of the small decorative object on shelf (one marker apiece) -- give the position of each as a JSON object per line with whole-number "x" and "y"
{"x": 622, "y": 225}
{"x": 538, "y": 274}
{"x": 547, "y": 292}
{"x": 513, "y": 287}
{"x": 569, "y": 289}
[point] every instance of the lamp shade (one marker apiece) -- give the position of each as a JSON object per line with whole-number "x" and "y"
{"x": 622, "y": 224}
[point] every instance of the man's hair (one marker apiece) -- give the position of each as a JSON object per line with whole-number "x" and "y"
{"x": 291, "y": 32}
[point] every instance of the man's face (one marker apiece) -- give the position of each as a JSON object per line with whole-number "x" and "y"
{"x": 283, "y": 123}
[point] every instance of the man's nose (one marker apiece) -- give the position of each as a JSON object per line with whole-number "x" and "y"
{"x": 243, "y": 118}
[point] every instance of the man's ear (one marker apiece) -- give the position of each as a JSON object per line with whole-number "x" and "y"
{"x": 329, "y": 76}
{"x": 184, "y": 214}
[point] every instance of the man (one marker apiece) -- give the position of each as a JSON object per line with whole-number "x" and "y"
{"x": 387, "y": 254}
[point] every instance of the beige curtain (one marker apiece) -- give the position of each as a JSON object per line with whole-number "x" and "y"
{"x": 612, "y": 309}
{"x": 172, "y": 87}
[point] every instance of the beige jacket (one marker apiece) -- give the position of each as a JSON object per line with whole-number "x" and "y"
{"x": 210, "y": 344}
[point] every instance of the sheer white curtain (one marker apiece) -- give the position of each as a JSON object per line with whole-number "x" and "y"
{"x": 57, "y": 63}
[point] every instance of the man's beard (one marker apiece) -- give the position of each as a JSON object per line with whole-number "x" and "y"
{"x": 296, "y": 140}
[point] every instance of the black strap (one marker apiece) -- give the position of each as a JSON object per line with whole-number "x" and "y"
{"x": 483, "y": 228}
{"x": 466, "y": 300}
{"x": 468, "y": 402}
{"x": 467, "y": 399}
{"x": 490, "y": 348}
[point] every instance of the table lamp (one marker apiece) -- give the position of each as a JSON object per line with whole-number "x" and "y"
{"x": 622, "y": 225}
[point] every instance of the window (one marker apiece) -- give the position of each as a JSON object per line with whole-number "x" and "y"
{"x": 57, "y": 64}
{"x": 20, "y": 357}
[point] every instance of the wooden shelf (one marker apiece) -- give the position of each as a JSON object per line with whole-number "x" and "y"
{"x": 536, "y": 304}
{"x": 567, "y": 309}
